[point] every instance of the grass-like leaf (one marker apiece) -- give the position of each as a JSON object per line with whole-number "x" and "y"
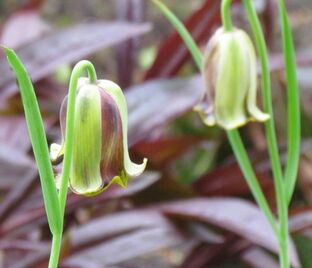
{"x": 38, "y": 139}
{"x": 294, "y": 127}
{"x": 233, "y": 135}
{"x": 184, "y": 33}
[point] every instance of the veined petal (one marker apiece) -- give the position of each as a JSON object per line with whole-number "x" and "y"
{"x": 115, "y": 92}
{"x": 230, "y": 76}
{"x": 231, "y": 85}
{"x": 85, "y": 177}
{"x": 112, "y": 164}
{"x": 100, "y": 153}
{"x": 254, "y": 112}
{"x": 206, "y": 107}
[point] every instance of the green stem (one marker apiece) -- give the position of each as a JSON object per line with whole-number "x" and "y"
{"x": 267, "y": 97}
{"x": 271, "y": 134}
{"x": 55, "y": 250}
{"x": 226, "y": 15}
{"x": 294, "y": 128}
{"x": 70, "y": 118}
{"x": 184, "y": 34}
{"x": 69, "y": 137}
{"x": 245, "y": 165}
{"x": 234, "y": 136}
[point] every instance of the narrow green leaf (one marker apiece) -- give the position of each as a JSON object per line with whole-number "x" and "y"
{"x": 38, "y": 140}
{"x": 279, "y": 185}
{"x": 294, "y": 127}
{"x": 233, "y": 135}
{"x": 184, "y": 34}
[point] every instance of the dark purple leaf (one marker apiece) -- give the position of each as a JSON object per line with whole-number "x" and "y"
{"x": 162, "y": 151}
{"x": 14, "y": 198}
{"x": 268, "y": 16}
{"x": 258, "y": 258}
{"x": 133, "y": 245}
{"x": 66, "y": 46}
{"x": 13, "y": 132}
{"x": 301, "y": 221}
{"x": 154, "y": 104}
{"x": 276, "y": 61}
{"x": 14, "y": 165}
{"x": 214, "y": 255}
{"x": 14, "y": 144}
{"x": 31, "y": 219}
{"x": 22, "y": 28}
{"x": 137, "y": 232}
{"x": 126, "y": 53}
{"x": 228, "y": 180}
{"x": 24, "y": 245}
{"x": 235, "y": 215}
{"x": 172, "y": 53}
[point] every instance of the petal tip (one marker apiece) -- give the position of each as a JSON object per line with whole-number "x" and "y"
{"x": 207, "y": 117}
{"x": 134, "y": 170}
{"x": 56, "y": 153}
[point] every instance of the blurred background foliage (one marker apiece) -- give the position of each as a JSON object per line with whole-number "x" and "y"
{"x": 192, "y": 208}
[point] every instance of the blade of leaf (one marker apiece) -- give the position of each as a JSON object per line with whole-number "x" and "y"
{"x": 38, "y": 140}
{"x": 200, "y": 24}
{"x": 41, "y": 59}
{"x": 236, "y": 215}
{"x": 293, "y": 150}
{"x": 185, "y": 35}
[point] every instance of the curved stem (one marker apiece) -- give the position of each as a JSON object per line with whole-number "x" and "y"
{"x": 271, "y": 134}
{"x": 184, "y": 34}
{"x": 69, "y": 137}
{"x": 226, "y": 15}
{"x": 70, "y": 118}
{"x": 234, "y": 136}
{"x": 245, "y": 165}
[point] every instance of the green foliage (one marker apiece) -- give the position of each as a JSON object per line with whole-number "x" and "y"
{"x": 38, "y": 139}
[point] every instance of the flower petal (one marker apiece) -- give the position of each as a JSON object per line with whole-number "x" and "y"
{"x": 230, "y": 76}
{"x": 254, "y": 112}
{"x": 85, "y": 176}
{"x": 232, "y": 84}
{"x": 112, "y": 163}
{"x": 56, "y": 153}
{"x": 116, "y": 93}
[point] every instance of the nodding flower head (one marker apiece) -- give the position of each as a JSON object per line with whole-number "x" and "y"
{"x": 100, "y": 147}
{"x": 230, "y": 76}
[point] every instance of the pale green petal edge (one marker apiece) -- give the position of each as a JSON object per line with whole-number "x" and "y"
{"x": 131, "y": 169}
{"x": 57, "y": 151}
{"x": 121, "y": 180}
{"x": 255, "y": 113}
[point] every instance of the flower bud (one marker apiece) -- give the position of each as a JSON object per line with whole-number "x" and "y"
{"x": 230, "y": 77}
{"x": 100, "y": 146}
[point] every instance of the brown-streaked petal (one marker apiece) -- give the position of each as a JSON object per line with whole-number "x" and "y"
{"x": 112, "y": 143}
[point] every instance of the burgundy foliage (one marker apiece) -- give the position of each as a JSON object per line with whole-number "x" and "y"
{"x": 211, "y": 222}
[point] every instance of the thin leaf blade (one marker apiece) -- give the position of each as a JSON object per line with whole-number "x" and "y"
{"x": 38, "y": 139}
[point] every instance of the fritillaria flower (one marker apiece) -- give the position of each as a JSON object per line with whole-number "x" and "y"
{"x": 100, "y": 153}
{"x": 230, "y": 76}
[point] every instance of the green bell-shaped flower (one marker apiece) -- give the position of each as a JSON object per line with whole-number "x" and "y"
{"x": 100, "y": 153}
{"x": 230, "y": 75}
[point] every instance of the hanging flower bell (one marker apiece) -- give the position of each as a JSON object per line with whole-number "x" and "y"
{"x": 100, "y": 153}
{"x": 230, "y": 76}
